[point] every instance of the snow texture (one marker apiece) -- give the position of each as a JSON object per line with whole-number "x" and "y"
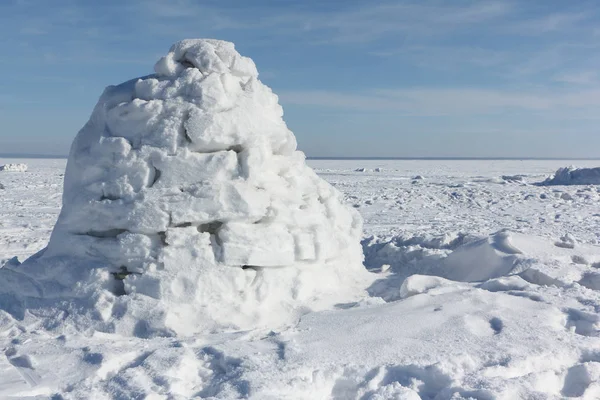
{"x": 484, "y": 290}
{"x": 13, "y": 167}
{"x": 574, "y": 176}
{"x": 186, "y": 209}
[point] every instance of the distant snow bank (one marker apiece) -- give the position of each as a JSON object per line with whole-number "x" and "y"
{"x": 574, "y": 176}
{"x": 13, "y": 167}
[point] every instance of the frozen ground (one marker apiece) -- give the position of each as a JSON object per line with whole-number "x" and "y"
{"x": 478, "y": 197}
{"x": 487, "y": 288}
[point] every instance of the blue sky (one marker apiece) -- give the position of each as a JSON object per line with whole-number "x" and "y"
{"x": 355, "y": 78}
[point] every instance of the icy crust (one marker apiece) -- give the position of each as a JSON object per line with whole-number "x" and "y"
{"x": 186, "y": 208}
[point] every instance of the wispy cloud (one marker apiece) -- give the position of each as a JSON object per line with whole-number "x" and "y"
{"x": 414, "y": 19}
{"x": 454, "y": 101}
{"x": 448, "y": 57}
{"x": 555, "y": 22}
{"x": 345, "y": 24}
{"x": 579, "y": 78}
{"x": 388, "y": 26}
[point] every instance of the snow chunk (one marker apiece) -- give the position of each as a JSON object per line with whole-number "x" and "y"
{"x": 485, "y": 259}
{"x": 505, "y": 284}
{"x": 567, "y": 241}
{"x": 186, "y": 209}
{"x": 14, "y": 167}
{"x": 513, "y": 178}
{"x": 591, "y": 280}
{"x": 574, "y": 176}
{"x": 417, "y": 284}
{"x": 265, "y": 245}
{"x": 208, "y": 56}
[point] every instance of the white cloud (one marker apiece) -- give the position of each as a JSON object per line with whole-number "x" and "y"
{"x": 454, "y": 101}
{"x": 448, "y": 57}
{"x": 578, "y": 78}
{"x": 345, "y": 24}
{"x": 555, "y": 22}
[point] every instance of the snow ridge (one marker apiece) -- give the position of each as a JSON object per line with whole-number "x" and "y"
{"x": 574, "y": 176}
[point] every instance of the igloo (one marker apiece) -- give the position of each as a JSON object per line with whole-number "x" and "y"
{"x": 187, "y": 208}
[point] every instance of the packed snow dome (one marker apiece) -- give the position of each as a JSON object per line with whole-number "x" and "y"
{"x": 186, "y": 208}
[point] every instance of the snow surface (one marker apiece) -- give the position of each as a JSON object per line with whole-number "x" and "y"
{"x": 574, "y": 176}
{"x": 529, "y": 334}
{"x": 13, "y": 167}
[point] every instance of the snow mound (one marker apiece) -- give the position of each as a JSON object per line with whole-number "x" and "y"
{"x": 186, "y": 209}
{"x": 419, "y": 284}
{"x": 13, "y": 167}
{"x": 409, "y": 266}
{"x": 574, "y": 176}
{"x": 484, "y": 259}
{"x": 513, "y": 178}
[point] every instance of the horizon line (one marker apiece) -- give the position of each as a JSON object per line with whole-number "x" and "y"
{"x": 467, "y": 158}
{"x": 341, "y": 158}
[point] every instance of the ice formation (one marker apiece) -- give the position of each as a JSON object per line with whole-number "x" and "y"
{"x": 13, "y": 167}
{"x": 574, "y": 176}
{"x": 187, "y": 208}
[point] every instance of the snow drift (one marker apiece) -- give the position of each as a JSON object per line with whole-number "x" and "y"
{"x": 186, "y": 208}
{"x": 13, "y": 167}
{"x": 574, "y": 176}
{"x": 473, "y": 258}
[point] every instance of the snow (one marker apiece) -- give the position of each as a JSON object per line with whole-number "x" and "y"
{"x": 13, "y": 167}
{"x": 526, "y": 325}
{"x": 574, "y": 176}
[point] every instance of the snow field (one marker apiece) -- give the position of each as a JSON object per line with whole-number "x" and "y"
{"x": 417, "y": 334}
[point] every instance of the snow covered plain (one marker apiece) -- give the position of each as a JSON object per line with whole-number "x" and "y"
{"x": 486, "y": 288}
